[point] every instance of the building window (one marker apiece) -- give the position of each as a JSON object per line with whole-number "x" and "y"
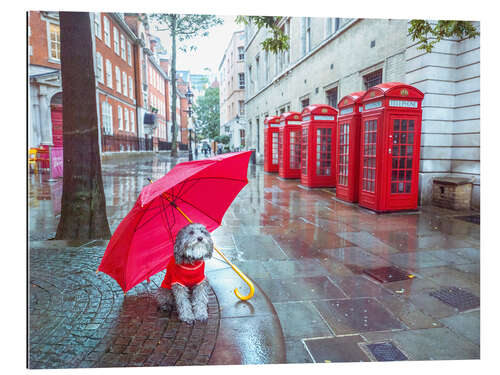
{"x": 241, "y": 105}
{"x": 331, "y": 97}
{"x": 54, "y": 42}
{"x": 125, "y": 116}
{"x": 124, "y": 80}
{"x": 283, "y": 58}
{"x": 241, "y": 53}
{"x": 250, "y": 85}
{"x": 130, "y": 88}
{"x": 129, "y": 53}
{"x": 132, "y": 121}
{"x": 122, "y": 44}
{"x": 107, "y": 35}
{"x": 372, "y": 79}
{"x": 116, "y": 41}
{"x": 267, "y": 66}
{"x": 329, "y": 26}
{"x": 257, "y": 72}
{"x": 99, "y": 66}
{"x": 97, "y": 23}
{"x": 120, "y": 118}
{"x": 337, "y": 24}
{"x": 304, "y": 102}
{"x": 109, "y": 74}
{"x": 118, "y": 79}
{"x": 308, "y": 34}
{"x": 107, "y": 118}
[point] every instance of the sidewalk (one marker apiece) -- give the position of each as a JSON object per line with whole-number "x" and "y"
{"x": 318, "y": 264}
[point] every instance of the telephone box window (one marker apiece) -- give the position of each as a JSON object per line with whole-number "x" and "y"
{"x": 369, "y": 155}
{"x": 304, "y": 151}
{"x": 323, "y": 152}
{"x": 295, "y": 149}
{"x": 343, "y": 163}
{"x": 402, "y": 155}
{"x": 275, "y": 148}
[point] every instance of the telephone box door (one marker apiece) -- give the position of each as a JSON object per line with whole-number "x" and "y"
{"x": 368, "y": 162}
{"x": 403, "y": 160}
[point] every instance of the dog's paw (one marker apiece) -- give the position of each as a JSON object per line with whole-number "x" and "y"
{"x": 187, "y": 317}
{"x": 200, "y": 312}
{"x": 165, "y": 308}
{"x": 201, "y": 316}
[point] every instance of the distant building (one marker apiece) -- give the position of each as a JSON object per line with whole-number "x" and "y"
{"x": 332, "y": 57}
{"x": 232, "y": 91}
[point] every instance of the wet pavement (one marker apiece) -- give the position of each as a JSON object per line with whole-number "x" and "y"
{"x": 325, "y": 291}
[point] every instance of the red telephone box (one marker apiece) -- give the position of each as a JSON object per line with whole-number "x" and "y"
{"x": 289, "y": 145}
{"x": 390, "y": 147}
{"x": 348, "y": 146}
{"x": 271, "y": 134}
{"x": 319, "y": 125}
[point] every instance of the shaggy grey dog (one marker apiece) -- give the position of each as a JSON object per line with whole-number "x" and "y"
{"x": 185, "y": 283}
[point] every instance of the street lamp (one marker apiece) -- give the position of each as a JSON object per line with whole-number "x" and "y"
{"x": 189, "y": 111}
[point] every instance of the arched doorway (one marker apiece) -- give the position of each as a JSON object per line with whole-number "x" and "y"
{"x": 56, "y": 150}
{"x": 57, "y": 119}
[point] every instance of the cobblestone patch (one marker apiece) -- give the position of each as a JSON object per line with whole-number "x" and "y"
{"x": 42, "y": 236}
{"x": 78, "y": 319}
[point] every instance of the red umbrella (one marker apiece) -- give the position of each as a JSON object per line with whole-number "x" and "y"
{"x": 198, "y": 191}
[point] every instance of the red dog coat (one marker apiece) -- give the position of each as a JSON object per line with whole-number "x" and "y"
{"x": 187, "y": 275}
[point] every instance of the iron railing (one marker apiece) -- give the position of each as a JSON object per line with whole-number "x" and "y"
{"x": 117, "y": 143}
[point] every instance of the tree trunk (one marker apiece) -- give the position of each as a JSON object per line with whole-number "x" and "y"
{"x": 173, "y": 79}
{"x": 83, "y": 206}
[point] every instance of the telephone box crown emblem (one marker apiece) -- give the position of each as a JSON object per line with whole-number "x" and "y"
{"x": 296, "y": 117}
{"x": 372, "y": 94}
{"x": 324, "y": 110}
{"x": 346, "y": 101}
{"x": 404, "y": 92}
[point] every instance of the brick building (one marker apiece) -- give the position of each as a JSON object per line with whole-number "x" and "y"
{"x": 131, "y": 85}
{"x": 115, "y": 67}
{"x": 44, "y": 73}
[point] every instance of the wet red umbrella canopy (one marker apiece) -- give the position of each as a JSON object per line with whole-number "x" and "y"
{"x": 199, "y": 191}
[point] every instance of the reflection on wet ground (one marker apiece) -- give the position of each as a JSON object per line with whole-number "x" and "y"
{"x": 308, "y": 252}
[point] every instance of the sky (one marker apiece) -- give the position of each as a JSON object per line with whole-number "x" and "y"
{"x": 210, "y": 49}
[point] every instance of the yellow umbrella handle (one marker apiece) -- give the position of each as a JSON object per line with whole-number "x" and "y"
{"x": 243, "y": 277}
{"x": 235, "y": 269}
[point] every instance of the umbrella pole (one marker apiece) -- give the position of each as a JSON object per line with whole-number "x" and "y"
{"x": 235, "y": 269}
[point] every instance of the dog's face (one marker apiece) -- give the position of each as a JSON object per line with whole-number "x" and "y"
{"x": 193, "y": 243}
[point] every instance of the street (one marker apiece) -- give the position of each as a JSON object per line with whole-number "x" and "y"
{"x": 334, "y": 282}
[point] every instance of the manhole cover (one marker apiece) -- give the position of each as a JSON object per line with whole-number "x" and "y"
{"x": 388, "y": 274}
{"x": 471, "y": 218}
{"x": 386, "y": 351}
{"x": 456, "y": 297}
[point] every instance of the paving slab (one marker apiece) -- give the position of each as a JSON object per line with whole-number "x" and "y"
{"x": 336, "y": 349}
{"x": 300, "y": 289}
{"x": 301, "y": 320}
{"x": 429, "y": 344}
{"x": 466, "y": 324}
{"x": 351, "y": 316}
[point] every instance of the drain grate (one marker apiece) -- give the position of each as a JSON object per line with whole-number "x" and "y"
{"x": 388, "y": 274}
{"x": 476, "y": 219}
{"x": 386, "y": 351}
{"x": 456, "y": 297}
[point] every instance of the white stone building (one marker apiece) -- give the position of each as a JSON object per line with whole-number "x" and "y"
{"x": 332, "y": 57}
{"x": 232, "y": 91}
